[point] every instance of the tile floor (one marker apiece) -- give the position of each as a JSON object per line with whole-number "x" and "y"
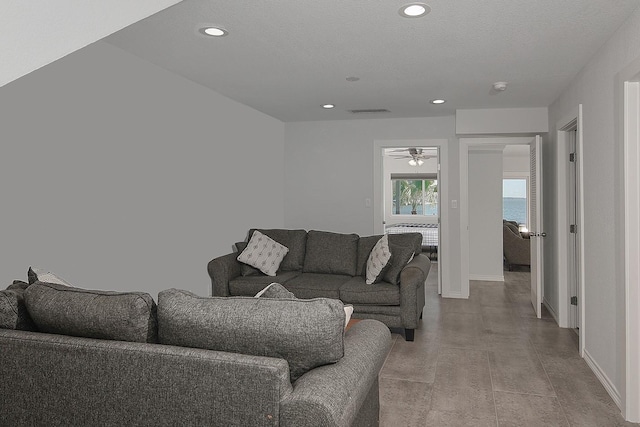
{"x": 487, "y": 361}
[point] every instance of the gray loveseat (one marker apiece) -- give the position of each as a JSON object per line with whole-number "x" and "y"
{"x": 332, "y": 265}
{"x": 114, "y": 372}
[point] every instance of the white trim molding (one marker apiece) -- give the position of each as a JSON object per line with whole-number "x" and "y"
{"x": 632, "y": 246}
{"x": 550, "y": 309}
{"x": 604, "y": 379}
{"x": 486, "y": 278}
{"x": 627, "y": 112}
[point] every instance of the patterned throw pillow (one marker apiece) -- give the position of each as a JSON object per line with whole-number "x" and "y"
{"x": 378, "y": 260}
{"x": 275, "y": 290}
{"x": 263, "y": 253}
{"x": 39, "y": 275}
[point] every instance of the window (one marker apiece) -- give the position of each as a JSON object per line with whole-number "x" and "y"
{"x": 414, "y": 196}
{"x": 514, "y": 200}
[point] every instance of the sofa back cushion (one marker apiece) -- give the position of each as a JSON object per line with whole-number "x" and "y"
{"x": 294, "y": 240}
{"x": 331, "y": 253}
{"x": 66, "y": 310}
{"x": 414, "y": 240}
{"x": 13, "y": 311}
{"x": 306, "y": 333}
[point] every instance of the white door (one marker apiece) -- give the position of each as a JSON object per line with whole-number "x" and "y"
{"x": 535, "y": 225}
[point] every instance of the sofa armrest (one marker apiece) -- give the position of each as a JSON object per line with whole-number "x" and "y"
{"x": 412, "y": 279}
{"x": 342, "y": 394}
{"x": 222, "y": 270}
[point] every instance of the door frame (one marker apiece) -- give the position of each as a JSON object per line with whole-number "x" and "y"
{"x": 571, "y": 122}
{"x": 444, "y": 259}
{"x": 465, "y": 143}
{"x": 628, "y": 157}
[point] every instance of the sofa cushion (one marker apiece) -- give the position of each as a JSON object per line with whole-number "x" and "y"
{"x": 378, "y": 260}
{"x": 295, "y": 240}
{"x": 314, "y": 285}
{"x": 306, "y": 333}
{"x": 275, "y": 290}
{"x": 18, "y": 284}
{"x": 123, "y": 316}
{"x": 13, "y": 311}
{"x": 333, "y": 253}
{"x": 357, "y": 291}
{"x": 248, "y": 286}
{"x": 400, "y": 256}
{"x": 263, "y": 253}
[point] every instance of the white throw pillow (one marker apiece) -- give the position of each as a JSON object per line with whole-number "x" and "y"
{"x": 348, "y": 311}
{"x": 46, "y": 276}
{"x": 378, "y": 260}
{"x": 263, "y": 253}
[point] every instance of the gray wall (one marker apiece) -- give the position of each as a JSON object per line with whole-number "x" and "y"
{"x": 485, "y": 214}
{"x": 329, "y": 173}
{"x": 604, "y": 275}
{"x": 116, "y": 174}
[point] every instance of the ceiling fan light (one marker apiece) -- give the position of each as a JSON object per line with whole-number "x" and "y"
{"x": 412, "y": 162}
{"x": 420, "y": 162}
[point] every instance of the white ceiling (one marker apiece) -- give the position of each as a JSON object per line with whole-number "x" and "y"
{"x": 33, "y": 35}
{"x": 288, "y": 57}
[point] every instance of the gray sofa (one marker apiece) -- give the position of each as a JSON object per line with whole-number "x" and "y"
{"x": 117, "y": 374}
{"x": 332, "y": 265}
{"x": 516, "y": 248}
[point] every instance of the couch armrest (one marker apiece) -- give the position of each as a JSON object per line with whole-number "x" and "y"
{"x": 341, "y": 394}
{"x": 412, "y": 279}
{"x": 222, "y": 270}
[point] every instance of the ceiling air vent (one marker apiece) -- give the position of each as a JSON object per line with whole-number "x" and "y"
{"x": 370, "y": 110}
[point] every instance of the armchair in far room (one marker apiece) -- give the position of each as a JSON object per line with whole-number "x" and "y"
{"x": 517, "y": 250}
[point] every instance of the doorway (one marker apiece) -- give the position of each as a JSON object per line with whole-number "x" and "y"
{"x": 536, "y": 232}
{"x": 570, "y": 225}
{"x": 419, "y": 166}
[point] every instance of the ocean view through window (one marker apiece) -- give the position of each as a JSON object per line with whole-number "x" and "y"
{"x": 514, "y": 200}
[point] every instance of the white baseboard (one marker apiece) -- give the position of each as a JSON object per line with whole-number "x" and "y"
{"x": 604, "y": 379}
{"x": 454, "y": 295}
{"x": 486, "y": 278}
{"x": 551, "y": 310}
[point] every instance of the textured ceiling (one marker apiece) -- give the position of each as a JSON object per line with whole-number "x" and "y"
{"x": 288, "y": 57}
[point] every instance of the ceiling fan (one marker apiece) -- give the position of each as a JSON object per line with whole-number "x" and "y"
{"x": 417, "y": 156}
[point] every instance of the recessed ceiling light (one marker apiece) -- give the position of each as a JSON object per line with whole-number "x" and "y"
{"x": 214, "y": 31}
{"x": 437, "y": 101}
{"x": 414, "y": 10}
{"x": 328, "y": 106}
{"x": 353, "y": 79}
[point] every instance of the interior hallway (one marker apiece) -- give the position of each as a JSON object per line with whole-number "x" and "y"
{"x": 487, "y": 361}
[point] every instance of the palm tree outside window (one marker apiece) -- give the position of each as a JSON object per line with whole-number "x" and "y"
{"x": 415, "y": 197}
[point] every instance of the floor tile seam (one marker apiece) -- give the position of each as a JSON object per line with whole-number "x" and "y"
{"x": 527, "y": 394}
{"x": 564, "y": 412}
{"x": 405, "y": 380}
{"x": 389, "y": 352}
{"x": 440, "y": 345}
{"x": 493, "y": 393}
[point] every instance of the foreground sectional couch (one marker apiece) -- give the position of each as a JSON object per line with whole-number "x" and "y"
{"x": 332, "y": 265}
{"x": 112, "y": 359}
